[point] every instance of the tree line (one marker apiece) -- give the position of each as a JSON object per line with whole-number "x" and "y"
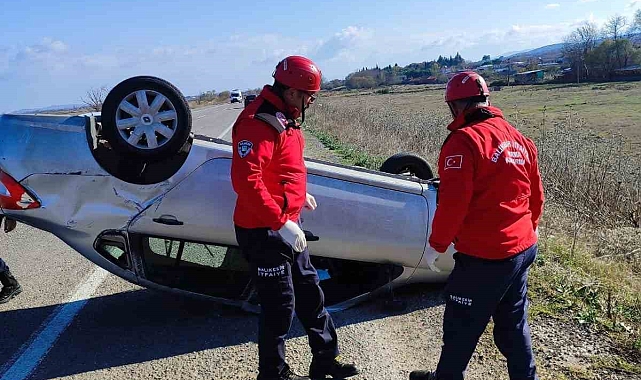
{"x": 598, "y": 53}
{"x": 414, "y": 73}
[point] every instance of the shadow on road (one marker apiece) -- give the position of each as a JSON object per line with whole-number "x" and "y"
{"x": 146, "y": 325}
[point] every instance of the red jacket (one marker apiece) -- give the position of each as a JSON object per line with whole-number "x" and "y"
{"x": 490, "y": 192}
{"x": 268, "y": 171}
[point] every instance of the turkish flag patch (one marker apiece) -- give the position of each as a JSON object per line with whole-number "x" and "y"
{"x": 453, "y": 162}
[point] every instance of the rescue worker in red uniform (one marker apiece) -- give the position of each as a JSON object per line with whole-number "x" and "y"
{"x": 490, "y": 202}
{"x": 269, "y": 175}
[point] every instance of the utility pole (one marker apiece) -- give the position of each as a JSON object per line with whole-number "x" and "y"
{"x": 508, "y": 72}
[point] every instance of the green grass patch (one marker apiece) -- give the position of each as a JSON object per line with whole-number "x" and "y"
{"x": 348, "y": 153}
{"x": 616, "y": 363}
{"x": 576, "y": 286}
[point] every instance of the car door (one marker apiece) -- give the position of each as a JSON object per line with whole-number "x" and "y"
{"x": 186, "y": 239}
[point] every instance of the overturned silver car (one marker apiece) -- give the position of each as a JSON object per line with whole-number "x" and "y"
{"x": 135, "y": 192}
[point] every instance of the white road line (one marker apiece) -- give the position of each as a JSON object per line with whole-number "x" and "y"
{"x": 53, "y": 328}
{"x": 227, "y": 130}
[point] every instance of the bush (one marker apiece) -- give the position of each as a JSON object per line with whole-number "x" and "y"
{"x": 499, "y": 83}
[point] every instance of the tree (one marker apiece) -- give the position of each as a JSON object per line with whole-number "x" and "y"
{"x": 573, "y": 52}
{"x": 95, "y": 97}
{"x": 486, "y": 58}
{"x": 635, "y": 28}
{"x": 458, "y": 59}
{"x": 360, "y": 82}
{"x": 615, "y": 29}
{"x": 629, "y": 54}
{"x": 601, "y": 60}
{"x": 578, "y": 45}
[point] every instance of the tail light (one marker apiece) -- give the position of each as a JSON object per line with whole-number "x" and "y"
{"x": 13, "y": 196}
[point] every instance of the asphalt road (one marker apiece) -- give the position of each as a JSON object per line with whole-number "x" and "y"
{"x": 215, "y": 121}
{"x": 77, "y": 321}
{"x": 74, "y": 320}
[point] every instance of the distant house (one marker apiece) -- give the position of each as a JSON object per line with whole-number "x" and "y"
{"x": 627, "y": 73}
{"x": 634, "y": 68}
{"x": 549, "y": 64}
{"x": 533, "y": 76}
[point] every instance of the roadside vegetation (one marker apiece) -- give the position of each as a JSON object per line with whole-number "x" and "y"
{"x": 588, "y": 272}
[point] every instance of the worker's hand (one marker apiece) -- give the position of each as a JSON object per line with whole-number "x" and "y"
{"x": 293, "y": 235}
{"x": 430, "y": 257}
{"x": 310, "y": 202}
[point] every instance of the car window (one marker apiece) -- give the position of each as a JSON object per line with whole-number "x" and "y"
{"x": 213, "y": 256}
{"x": 210, "y": 269}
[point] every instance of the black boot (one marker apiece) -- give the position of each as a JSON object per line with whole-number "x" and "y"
{"x": 286, "y": 374}
{"x": 10, "y": 288}
{"x": 320, "y": 368}
{"x": 423, "y": 375}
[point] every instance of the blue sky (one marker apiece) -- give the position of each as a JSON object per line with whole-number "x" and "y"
{"x": 52, "y": 52}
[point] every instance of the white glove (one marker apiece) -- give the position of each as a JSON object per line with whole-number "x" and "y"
{"x": 293, "y": 235}
{"x": 310, "y": 202}
{"x": 430, "y": 258}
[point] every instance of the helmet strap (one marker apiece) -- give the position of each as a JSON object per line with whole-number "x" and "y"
{"x": 449, "y": 104}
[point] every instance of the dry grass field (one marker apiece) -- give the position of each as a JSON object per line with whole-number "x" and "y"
{"x": 603, "y": 108}
{"x": 589, "y": 138}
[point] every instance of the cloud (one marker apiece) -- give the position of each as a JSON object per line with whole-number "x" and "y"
{"x": 53, "y": 71}
{"x": 586, "y": 1}
{"x": 590, "y": 18}
{"x": 49, "y": 53}
{"x": 346, "y": 44}
{"x": 552, "y": 6}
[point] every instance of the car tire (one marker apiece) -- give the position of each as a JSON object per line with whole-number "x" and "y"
{"x": 147, "y": 118}
{"x": 408, "y": 163}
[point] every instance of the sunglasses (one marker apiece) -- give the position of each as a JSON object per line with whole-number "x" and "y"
{"x": 312, "y": 97}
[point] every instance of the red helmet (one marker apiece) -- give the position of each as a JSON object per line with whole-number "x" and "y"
{"x": 467, "y": 84}
{"x": 299, "y": 73}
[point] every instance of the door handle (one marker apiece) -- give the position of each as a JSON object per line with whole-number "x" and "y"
{"x": 169, "y": 220}
{"x": 309, "y": 236}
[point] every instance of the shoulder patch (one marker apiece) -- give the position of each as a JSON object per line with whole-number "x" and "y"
{"x": 244, "y": 147}
{"x": 454, "y": 162}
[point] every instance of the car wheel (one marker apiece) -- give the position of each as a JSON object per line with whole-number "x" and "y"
{"x": 146, "y": 117}
{"x": 408, "y": 164}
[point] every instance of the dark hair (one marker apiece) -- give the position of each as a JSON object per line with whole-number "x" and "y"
{"x": 279, "y": 88}
{"x": 477, "y": 99}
